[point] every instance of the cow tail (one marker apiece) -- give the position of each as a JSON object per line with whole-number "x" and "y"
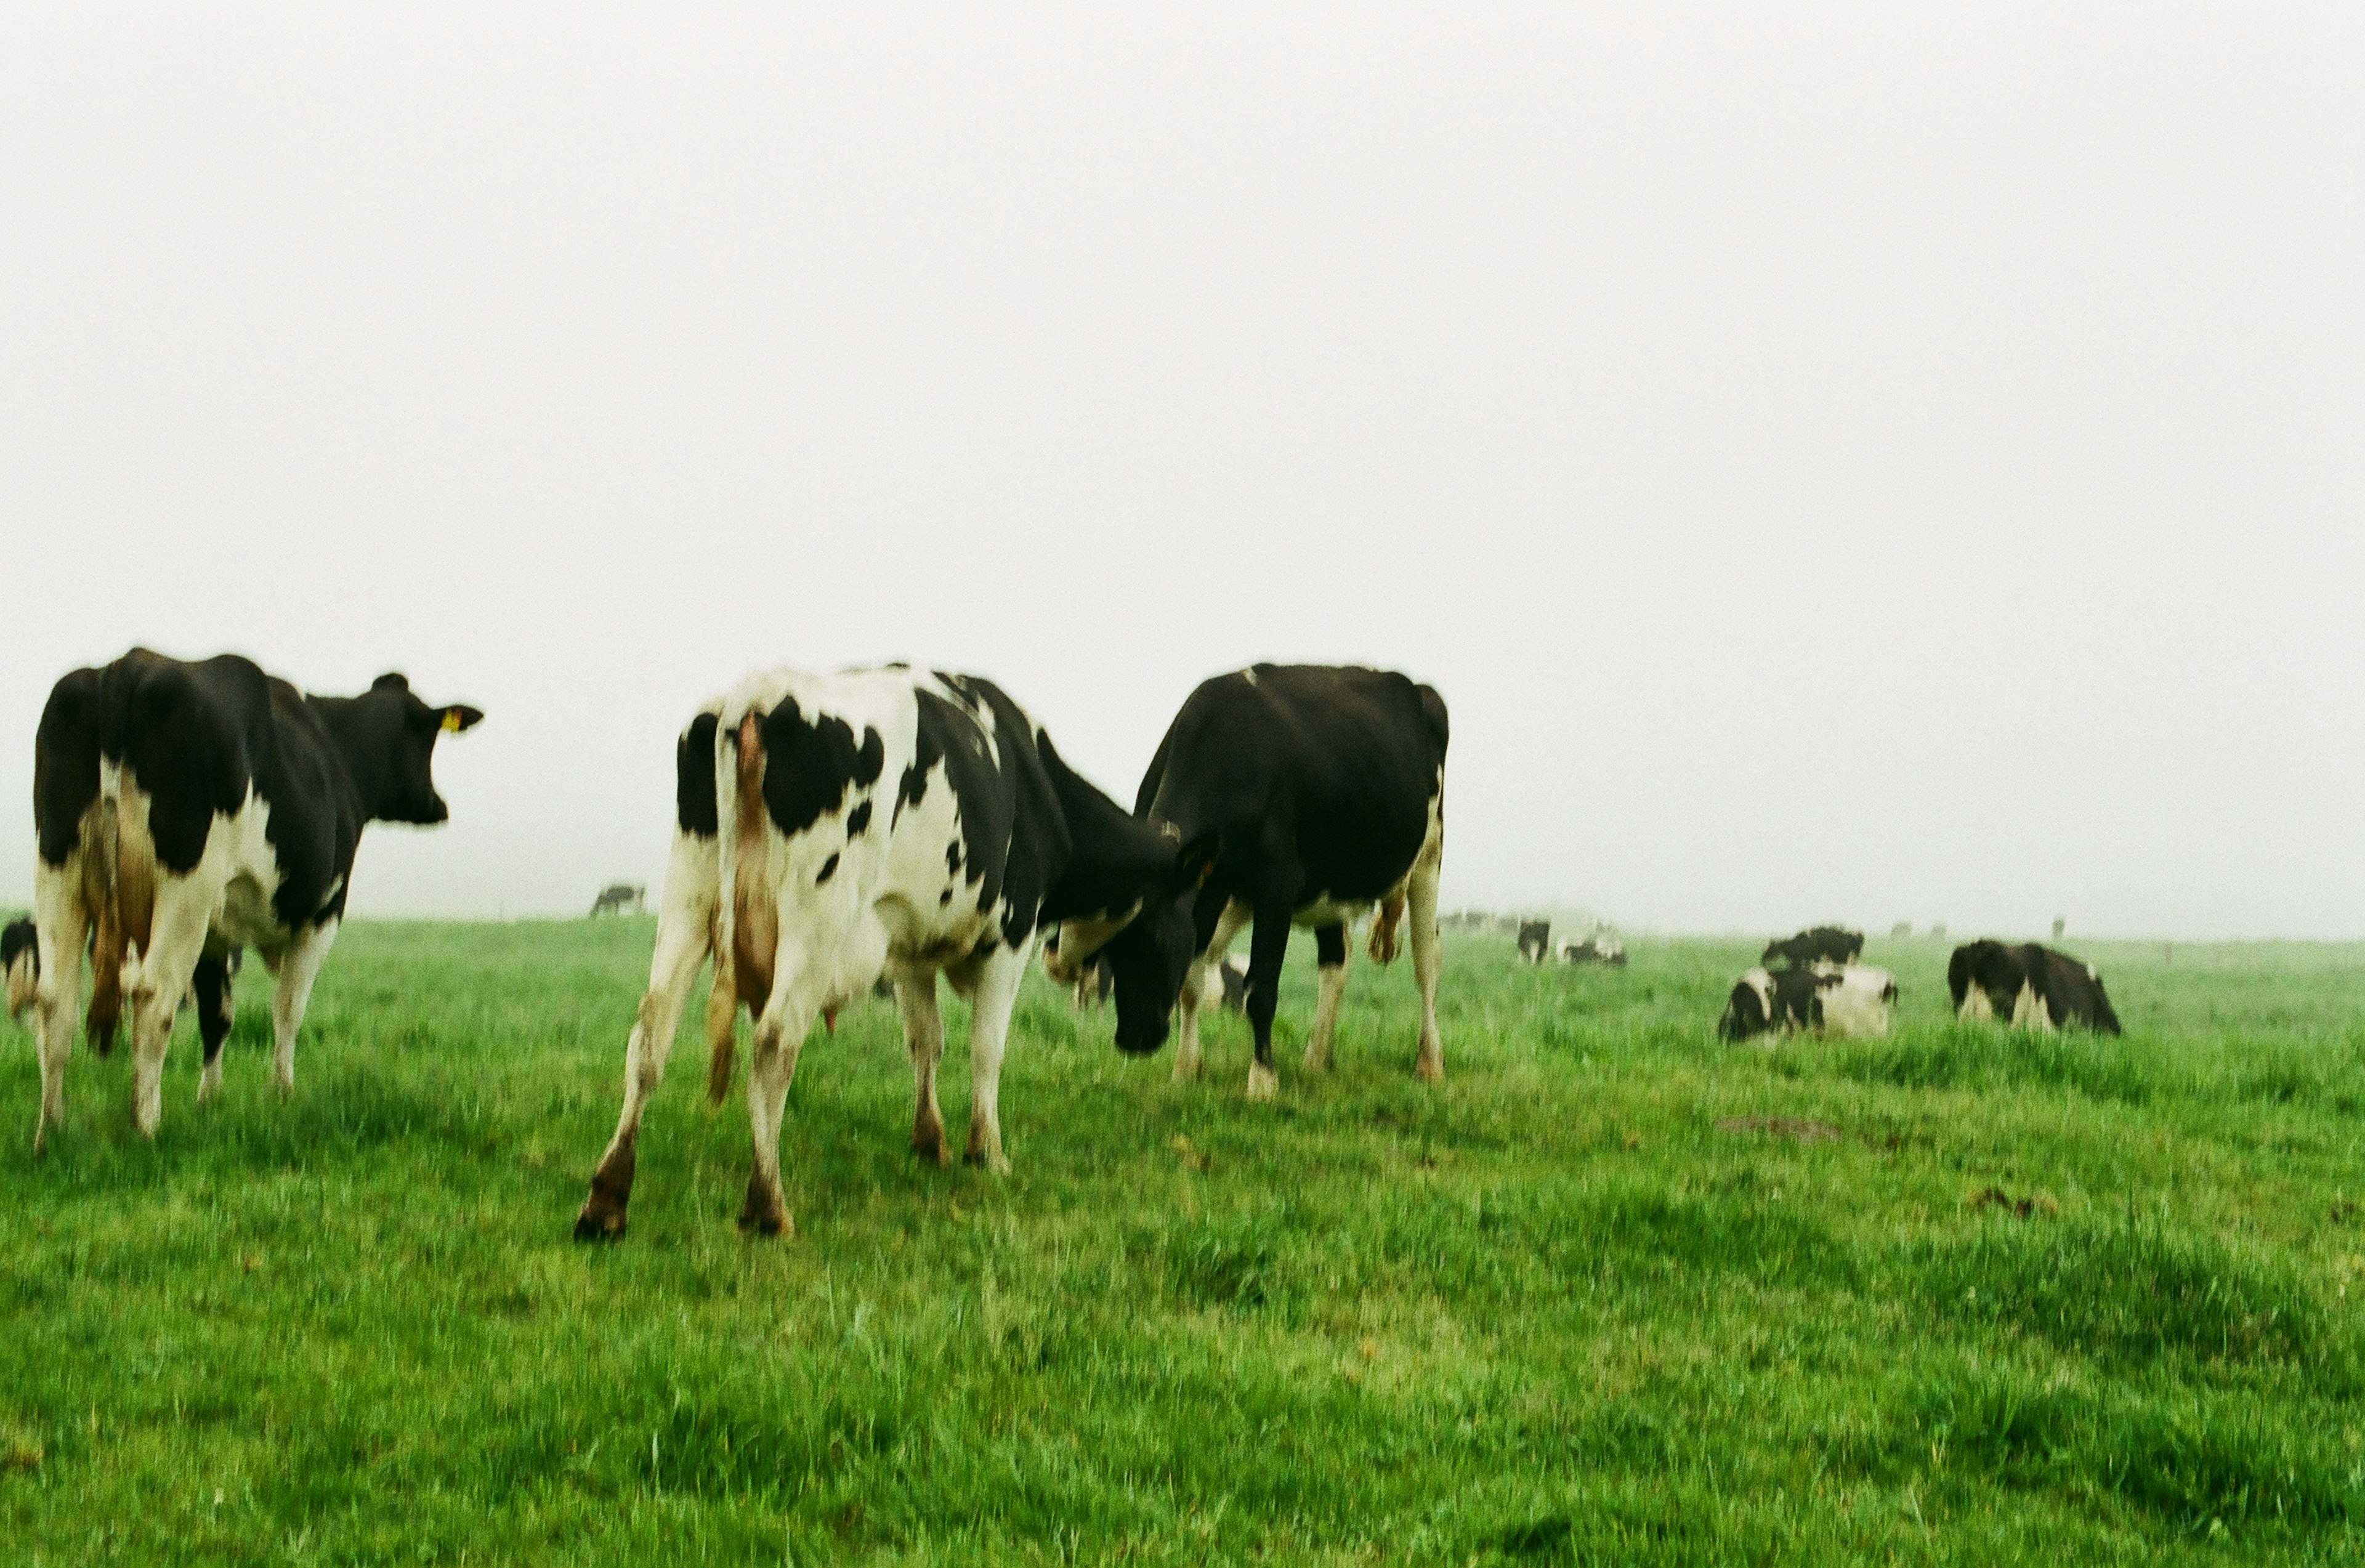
{"x": 103, "y": 890}
{"x": 726, "y": 848}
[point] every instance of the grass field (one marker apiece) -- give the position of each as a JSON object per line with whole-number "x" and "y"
{"x": 1966, "y": 1297}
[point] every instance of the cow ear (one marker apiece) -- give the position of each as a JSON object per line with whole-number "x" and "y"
{"x": 1196, "y": 858}
{"x": 459, "y": 718}
{"x": 394, "y": 678}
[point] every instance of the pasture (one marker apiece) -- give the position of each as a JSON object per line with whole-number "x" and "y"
{"x": 1617, "y": 1293}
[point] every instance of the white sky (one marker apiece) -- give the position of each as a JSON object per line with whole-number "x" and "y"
{"x": 1876, "y": 462}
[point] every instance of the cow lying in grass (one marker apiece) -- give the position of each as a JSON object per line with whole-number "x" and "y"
{"x": 1850, "y": 1001}
{"x": 828, "y": 827}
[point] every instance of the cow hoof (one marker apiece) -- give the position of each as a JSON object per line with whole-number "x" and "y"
{"x": 1263, "y": 1083}
{"x": 764, "y": 1214}
{"x": 1430, "y": 1069}
{"x": 595, "y": 1225}
{"x": 1318, "y": 1061}
{"x": 1185, "y": 1072}
{"x": 928, "y": 1143}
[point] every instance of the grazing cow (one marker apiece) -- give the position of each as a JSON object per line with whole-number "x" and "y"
{"x": 1851, "y": 1000}
{"x": 1095, "y": 985}
{"x": 186, "y": 811}
{"x": 20, "y": 962}
{"x": 1535, "y": 940}
{"x": 1226, "y": 986}
{"x": 618, "y": 897}
{"x": 1823, "y": 944}
{"x": 1600, "y": 947}
{"x": 1297, "y": 794}
{"x": 2030, "y": 986}
{"x": 828, "y": 826}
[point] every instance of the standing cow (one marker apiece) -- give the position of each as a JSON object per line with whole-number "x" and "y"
{"x": 828, "y": 826}
{"x": 2029, "y": 986}
{"x": 1535, "y": 941}
{"x": 186, "y": 810}
{"x": 1299, "y": 795}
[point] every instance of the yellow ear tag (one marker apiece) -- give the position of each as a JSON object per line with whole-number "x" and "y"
{"x": 450, "y": 721}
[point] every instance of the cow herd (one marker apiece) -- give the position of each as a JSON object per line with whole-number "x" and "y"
{"x": 1814, "y": 983}
{"x": 833, "y": 835}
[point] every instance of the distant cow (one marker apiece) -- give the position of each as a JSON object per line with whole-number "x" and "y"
{"x": 1095, "y": 986}
{"x": 1535, "y": 940}
{"x": 1226, "y": 986}
{"x": 828, "y": 826}
{"x": 2030, "y": 986}
{"x": 618, "y": 897}
{"x": 1823, "y": 944}
{"x": 1598, "y": 949}
{"x": 1851, "y": 1000}
{"x": 186, "y": 810}
{"x": 1303, "y": 795}
{"x": 20, "y": 962}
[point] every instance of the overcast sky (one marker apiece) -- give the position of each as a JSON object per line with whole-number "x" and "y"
{"x": 1866, "y": 462}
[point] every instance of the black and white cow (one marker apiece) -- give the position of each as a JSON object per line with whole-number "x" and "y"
{"x": 20, "y": 963}
{"x": 617, "y": 898}
{"x": 2028, "y": 985}
{"x": 1295, "y": 794}
{"x": 1850, "y": 1001}
{"x": 831, "y": 827}
{"x": 1535, "y": 940}
{"x": 189, "y": 810}
{"x": 1823, "y": 944}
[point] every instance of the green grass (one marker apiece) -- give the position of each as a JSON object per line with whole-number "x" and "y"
{"x": 2046, "y": 1300}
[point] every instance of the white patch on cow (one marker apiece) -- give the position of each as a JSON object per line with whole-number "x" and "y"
{"x": 1857, "y": 1007}
{"x": 1978, "y": 1007}
{"x": 2029, "y": 1010}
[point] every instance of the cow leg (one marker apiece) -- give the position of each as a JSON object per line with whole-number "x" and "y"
{"x": 298, "y": 968}
{"x": 1330, "y": 957}
{"x": 1195, "y": 985}
{"x": 924, "y": 1033}
{"x": 1421, "y": 897}
{"x": 212, "y": 985}
{"x": 779, "y": 1036}
{"x": 62, "y": 925}
{"x": 684, "y": 936}
{"x": 160, "y": 978}
{"x": 992, "y": 992}
{"x": 1268, "y": 945}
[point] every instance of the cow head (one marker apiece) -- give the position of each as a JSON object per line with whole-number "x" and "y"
{"x": 1151, "y": 956}
{"x": 395, "y": 735}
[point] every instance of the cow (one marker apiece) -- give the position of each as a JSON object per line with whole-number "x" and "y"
{"x": 1850, "y": 1001}
{"x": 2029, "y": 986}
{"x": 186, "y": 811}
{"x": 618, "y": 898}
{"x": 1094, "y": 985}
{"x": 1305, "y": 795}
{"x": 1599, "y": 947}
{"x": 20, "y": 963}
{"x": 831, "y": 827}
{"x": 1535, "y": 940}
{"x": 1226, "y": 986}
{"x": 1823, "y": 944}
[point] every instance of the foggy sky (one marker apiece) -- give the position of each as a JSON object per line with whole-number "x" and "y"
{"x": 1861, "y": 462}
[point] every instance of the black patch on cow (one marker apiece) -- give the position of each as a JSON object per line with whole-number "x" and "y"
{"x": 945, "y": 898}
{"x": 198, "y": 736}
{"x": 1329, "y": 946}
{"x": 858, "y": 819}
{"x": 210, "y": 988}
{"x": 828, "y": 869}
{"x": 809, "y": 766}
{"x": 927, "y": 750}
{"x": 952, "y": 858}
{"x": 693, "y": 790}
